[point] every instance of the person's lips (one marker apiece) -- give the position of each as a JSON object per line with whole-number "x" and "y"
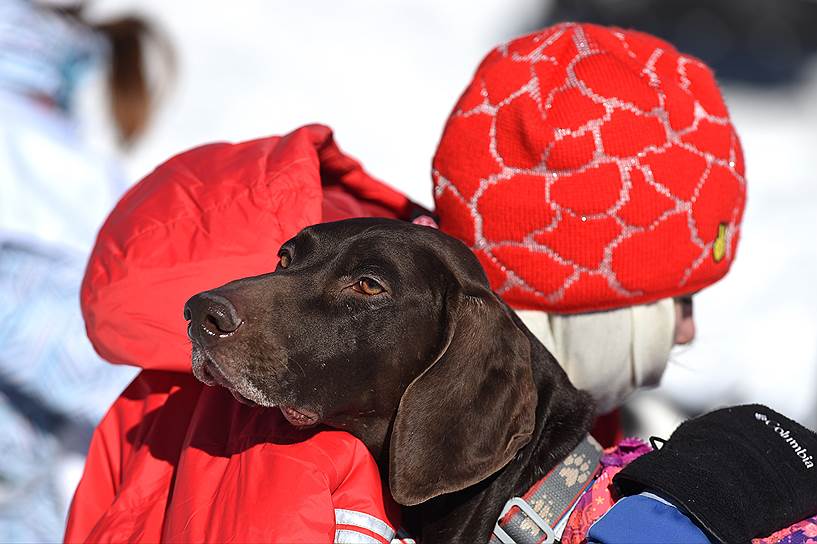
{"x": 299, "y": 417}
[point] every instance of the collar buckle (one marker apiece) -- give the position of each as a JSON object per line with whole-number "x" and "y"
{"x": 505, "y": 538}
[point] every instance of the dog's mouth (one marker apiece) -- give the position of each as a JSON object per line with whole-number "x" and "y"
{"x": 212, "y": 372}
{"x": 299, "y": 417}
{"x": 208, "y": 372}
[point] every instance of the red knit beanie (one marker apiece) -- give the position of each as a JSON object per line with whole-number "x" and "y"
{"x": 592, "y": 168}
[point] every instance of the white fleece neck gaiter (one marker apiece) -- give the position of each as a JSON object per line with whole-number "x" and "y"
{"x": 609, "y": 354}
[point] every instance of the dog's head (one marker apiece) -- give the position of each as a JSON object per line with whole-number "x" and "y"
{"x": 386, "y": 329}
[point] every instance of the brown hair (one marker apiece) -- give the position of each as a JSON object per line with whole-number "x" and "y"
{"x": 132, "y": 97}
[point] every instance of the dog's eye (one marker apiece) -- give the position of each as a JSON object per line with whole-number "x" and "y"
{"x": 368, "y": 286}
{"x": 285, "y": 259}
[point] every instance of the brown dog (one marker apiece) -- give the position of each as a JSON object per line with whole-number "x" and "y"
{"x": 390, "y": 331}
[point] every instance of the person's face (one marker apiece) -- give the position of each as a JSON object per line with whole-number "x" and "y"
{"x": 684, "y": 321}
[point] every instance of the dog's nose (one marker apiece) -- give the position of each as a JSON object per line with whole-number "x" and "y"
{"x": 211, "y": 317}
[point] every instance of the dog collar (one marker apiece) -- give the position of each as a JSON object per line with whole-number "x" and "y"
{"x": 542, "y": 512}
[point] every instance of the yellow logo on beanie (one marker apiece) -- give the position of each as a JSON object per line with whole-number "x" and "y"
{"x": 719, "y": 247}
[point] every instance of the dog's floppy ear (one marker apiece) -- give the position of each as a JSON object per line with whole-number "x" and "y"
{"x": 470, "y": 411}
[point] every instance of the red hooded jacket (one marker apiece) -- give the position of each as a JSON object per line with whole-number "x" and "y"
{"x": 175, "y": 460}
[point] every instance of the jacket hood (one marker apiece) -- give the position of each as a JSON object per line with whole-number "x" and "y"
{"x": 208, "y": 216}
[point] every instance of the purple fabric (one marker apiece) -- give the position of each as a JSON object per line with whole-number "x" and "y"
{"x": 624, "y": 452}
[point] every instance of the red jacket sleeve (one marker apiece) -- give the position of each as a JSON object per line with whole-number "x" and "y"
{"x": 135, "y": 445}
{"x": 175, "y": 461}
{"x": 97, "y": 489}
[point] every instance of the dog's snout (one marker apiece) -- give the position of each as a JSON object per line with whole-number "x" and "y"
{"x": 211, "y": 317}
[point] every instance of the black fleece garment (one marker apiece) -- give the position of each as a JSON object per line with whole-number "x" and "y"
{"x": 740, "y": 473}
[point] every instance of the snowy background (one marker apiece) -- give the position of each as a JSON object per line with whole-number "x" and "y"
{"x": 385, "y": 74}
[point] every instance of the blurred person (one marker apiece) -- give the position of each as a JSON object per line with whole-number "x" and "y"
{"x": 597, "y": 176}
{"x": 54, "y": 194}
{"x": 764, "y": 56}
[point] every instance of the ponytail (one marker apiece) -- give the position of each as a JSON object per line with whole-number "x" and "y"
{"x": 132, "y": 97}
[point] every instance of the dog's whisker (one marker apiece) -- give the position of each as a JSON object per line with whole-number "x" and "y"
{"x": 301, "y": 368}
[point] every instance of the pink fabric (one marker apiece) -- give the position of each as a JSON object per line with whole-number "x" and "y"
{"x": 600, "y": 497}
{"x": 804, "y": 532}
